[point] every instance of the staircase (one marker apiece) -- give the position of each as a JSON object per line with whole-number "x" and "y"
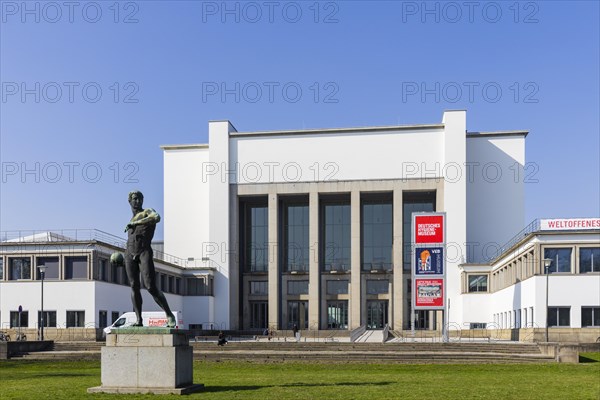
{"x": 333, "y": 352}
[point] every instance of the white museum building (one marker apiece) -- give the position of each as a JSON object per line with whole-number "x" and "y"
{"x": 314, "y": 228}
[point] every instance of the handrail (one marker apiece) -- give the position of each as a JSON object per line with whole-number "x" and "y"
{"x": 358, "y": 332}
{"x": 386, "y": 333}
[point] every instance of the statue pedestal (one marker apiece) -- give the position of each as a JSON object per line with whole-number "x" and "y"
{"x": 147, "y": 360}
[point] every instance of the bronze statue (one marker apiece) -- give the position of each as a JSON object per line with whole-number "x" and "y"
{"x": 139, "y": 257}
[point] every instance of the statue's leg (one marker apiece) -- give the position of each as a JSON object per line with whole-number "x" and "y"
{"x": 132, "y": 269}
{"x": 149, "y": 277}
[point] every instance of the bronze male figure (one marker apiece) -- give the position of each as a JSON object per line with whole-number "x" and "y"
{"x": 139, "y": 257}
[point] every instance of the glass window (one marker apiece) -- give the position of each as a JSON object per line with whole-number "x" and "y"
{"x": 114, "y": 273}
{"x": 335, "y": 244}
{"x": 337, "y": 287}
{"x": 337, "y": 314}
{"x": 478, "y": 283}
{"x": 559, "y": 316}
{"x": 255, "y": 237}
{"x": 1, "y": 269}
{"x": 101, "y": 269}
{"x": 51, "y": 264}
{"x": 76, "y": 267}
{"x": 413, "y": 202}
{"x": 561, "y": 259}
{"x": 259, "y": 314}
{"x": 14, "y": 319}
{"x": 114, "y": 316}
{"x": 297, "y": 287}
{"x": 589, "y": 259}
{"x": 477, "y": 325}
{"x": 380, "y": 286}
{"x": 102, "y": 319}
{"x": 198, "y": 286}
{"x": 49, "y": 319}
{"x": 259, "y": 288}
{"x": 298, "y": 314}
{"x": 20, "y": 268}
{"x": 295, "y": 237}
{"x": 171, "y": 284}
{"x": 75, "y": 319}
{"x": 376, "y": 235}
{"x": 590, "y": 316}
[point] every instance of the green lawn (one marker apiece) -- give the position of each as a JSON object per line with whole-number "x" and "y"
{"x": 241, "y": 380}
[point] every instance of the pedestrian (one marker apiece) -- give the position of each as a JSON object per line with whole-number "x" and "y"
{"x": 296, "y": 332}
{"x": 222, "y": 341}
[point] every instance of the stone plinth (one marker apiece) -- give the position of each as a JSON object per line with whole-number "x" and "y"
{"x": 147, "y": 360}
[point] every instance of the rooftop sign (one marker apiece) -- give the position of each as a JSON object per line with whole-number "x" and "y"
{"x": 571, "y": 223}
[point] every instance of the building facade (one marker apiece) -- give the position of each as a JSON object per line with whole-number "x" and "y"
{"x": 83, "y": 291}
{"x": 312, "y": 227}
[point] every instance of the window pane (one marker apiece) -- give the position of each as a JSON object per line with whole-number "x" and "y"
{"x": 75, "y": 319}
{"x": 377, "y": 286}
{"x": 564, "y": 316}
{"x": 76, "y": 267}
{"x": 51, "y": 264}
{"x": 376, "y": 235}
{"x": 335, "y": 248}
{"x": 337, "y": 287}
{"x": 561, "y": 259}
{"x": 295, "y": 231}
{"x": 14, "y": 319}
{"x": 297, "y": 287}
{"x": 589, "y": 259}
{"x": 1, "y": 269}
{"x": 478, "y": 283}
{"x": 20, "y": 268}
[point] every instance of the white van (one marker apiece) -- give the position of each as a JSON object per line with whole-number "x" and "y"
{"x": 150, "y": 318}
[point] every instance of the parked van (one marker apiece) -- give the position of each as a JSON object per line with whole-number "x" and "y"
{"x": 150, "y": 318}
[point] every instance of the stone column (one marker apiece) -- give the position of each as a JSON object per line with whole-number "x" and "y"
{"x": 273, "y": 262}
{"x": 355, "y": 293}
{"x": 398, "y": 285}
{"x": 313, "y": 267}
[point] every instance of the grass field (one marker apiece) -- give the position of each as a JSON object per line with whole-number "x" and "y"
{"x": 241, "y": 380}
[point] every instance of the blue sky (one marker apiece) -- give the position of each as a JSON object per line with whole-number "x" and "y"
{"x": 90, "y": 92}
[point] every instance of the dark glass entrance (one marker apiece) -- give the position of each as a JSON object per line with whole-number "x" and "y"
{"x": 377, "y": 314}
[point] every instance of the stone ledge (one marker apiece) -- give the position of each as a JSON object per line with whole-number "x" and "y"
{"x": 133, "y": 390}
{"x": 144, "y": 337}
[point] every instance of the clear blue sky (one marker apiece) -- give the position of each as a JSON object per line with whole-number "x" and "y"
{"x": 158, "y": 65}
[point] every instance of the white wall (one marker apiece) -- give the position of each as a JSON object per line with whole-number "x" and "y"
{"x": 495, "y": 192}
{"x": 335, "y": 156}
{"x": 186, "y": 214}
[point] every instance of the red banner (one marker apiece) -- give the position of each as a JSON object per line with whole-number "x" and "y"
{"x": 429, "y": 229}
{"x": 429, "y": 292}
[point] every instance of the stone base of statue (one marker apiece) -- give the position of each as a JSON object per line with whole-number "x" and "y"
{"x": 147, "y": 360}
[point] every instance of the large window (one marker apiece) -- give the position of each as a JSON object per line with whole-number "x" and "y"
{"x": 337, "y": 287}
{"x": 335, "y": 240}
{"x": 590, "y": 316}
{"x": 559, "y": 316}
{"x": 295, "y": 237}
{"x": 379, "y": 286}
{"x": 589, "y": 259}
{"x": 297, "y": 314}
{"x": 102, "y": 319}
{"x": 297, "y": 287}
{"x": 200, "y": 286}
{"x": 413, "y": 202}
{"x": 377, "y": 235}
{"x": 101, "y": 269}
{"x": 75, "y": 319}
{"x": 20, "y": 268}
{"x": 14, "y": 319}
{"x": 259, "y": 288}
{"x": 114, "y": 316}
{"x": 259, "y": 312}
{"x": 337, "y": 314}
{"x": 1, "y": 269}
{"x": 561, "y": 259}
{"x": 49, "y": 319}
{"x": 255, "y": 249}
{"x": 76, "y": 267}
{"x": 478, "y": 283}
{"x": 51, "y": 264}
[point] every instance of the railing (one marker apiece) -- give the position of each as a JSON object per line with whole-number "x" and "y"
{"x": 78, "y": 235}
{"x": 534, "y": 226}
{"x": 358, "y": 332}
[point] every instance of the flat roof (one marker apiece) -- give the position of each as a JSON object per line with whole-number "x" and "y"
{"x": 184, "y": 146}
{"x": 497, "y": 133}
{"x": 386, "y": 128}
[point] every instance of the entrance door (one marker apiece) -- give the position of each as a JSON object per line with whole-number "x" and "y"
{"x": 377, "y": 314}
